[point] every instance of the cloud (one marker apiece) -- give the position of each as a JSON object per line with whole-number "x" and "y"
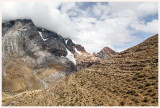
{"x": 140, "y": 9}
{"x": 151, "y": 27}
{"x": 93, "y": 25}
{"x": 45, "y": 15}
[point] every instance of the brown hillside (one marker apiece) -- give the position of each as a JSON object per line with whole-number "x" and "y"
{"x": 128, "y": 79}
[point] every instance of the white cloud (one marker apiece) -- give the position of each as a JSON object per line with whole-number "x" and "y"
{"x": 145, "y": 9}
{"x": 139, "y": 8}
{"x": 151, "y": 27}
{"x": 94, "y": 27}
{"x": 100, "y": 9}
{"x": 45, "y": 15}
{"x": 65, "y": 7}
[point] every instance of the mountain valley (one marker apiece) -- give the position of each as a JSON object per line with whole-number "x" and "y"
{"x": 42, "y": 68}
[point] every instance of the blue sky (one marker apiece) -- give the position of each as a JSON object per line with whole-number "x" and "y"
{"x": 149, "y": 18}
{"x": 134, "y": 34}
{"x": 94, "y": 25}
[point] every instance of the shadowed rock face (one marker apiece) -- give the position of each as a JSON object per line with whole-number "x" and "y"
{"x": 35, "y": 50}
{"x": 53, "y": 43}
{"x": 80, "y": 48}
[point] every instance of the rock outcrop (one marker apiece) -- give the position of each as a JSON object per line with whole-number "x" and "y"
{"x": 85, "y": 60}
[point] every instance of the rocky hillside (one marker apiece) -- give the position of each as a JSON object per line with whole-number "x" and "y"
{"x": 128, "y": 79}
{"x": 35, "y": 58}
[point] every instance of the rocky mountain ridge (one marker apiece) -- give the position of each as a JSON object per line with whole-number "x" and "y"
{"x": 35, "y": 58}
{"x": 26, "y": 55}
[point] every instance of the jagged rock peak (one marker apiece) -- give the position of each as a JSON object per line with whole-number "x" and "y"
{"x": 109, "y": 51}
{"x": 105, "y": 53}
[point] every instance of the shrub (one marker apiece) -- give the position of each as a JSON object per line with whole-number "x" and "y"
{"x": 150, "y": 90}
{"x": 61, "y": 95}
{"x": 128, "y": 80}
{"x": 141, "y": 75}
{"x": 146, "y": 94}
{"x": 137, "y": 73}
{"x": 152, "y": 77}
{"x": 154, "y": 83}
{"x": 148, "y": 84}
{"x": 71, "y": 104}
{"x": 83, "y": 83}
{"x": 135, "y": 77}
{"x": 153, "y": 101}
{"x": 140, "y": 86}
{"x": 135, "y": 100}
{"x": 136, "y": 94}
{"x": 122, "y": 103}
{"x": 132, "y": 92}
{"x": 146, "y": 99}
{"x": 153, "y": 94}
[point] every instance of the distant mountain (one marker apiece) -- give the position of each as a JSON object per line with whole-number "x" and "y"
{"x": 129, "y": 78}
{"x": 105, "y": 53}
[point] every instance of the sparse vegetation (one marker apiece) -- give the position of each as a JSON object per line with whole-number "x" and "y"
{"x": 122, "y": 103}
{"x": 148, "y": 84}
{"x": 146, "y": 99}
{"x": 135, "y": 100}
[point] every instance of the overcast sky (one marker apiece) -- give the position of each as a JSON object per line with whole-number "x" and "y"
{"x": 94, "y": 25}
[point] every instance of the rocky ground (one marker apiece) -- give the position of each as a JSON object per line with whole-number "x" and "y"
{"x": 127, "y": 79}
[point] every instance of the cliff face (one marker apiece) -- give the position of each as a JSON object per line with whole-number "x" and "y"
{"x": 129, "y": 78}
{"x": 31, "y": 56}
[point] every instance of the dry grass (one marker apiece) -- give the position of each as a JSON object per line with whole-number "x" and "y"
{"x": 6, "y": 98}
{"x": 19, "y": 78}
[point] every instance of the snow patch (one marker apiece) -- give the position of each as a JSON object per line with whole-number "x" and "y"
{"x": 70, "y": 56}
{"x": 66, "y": 41}
{"x": 77, "y": 51}
{"x": 40, "y": 33}
{"x": 43, "y": 30}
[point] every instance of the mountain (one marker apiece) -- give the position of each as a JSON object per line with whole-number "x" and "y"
{"x": 105, "y": 53}
{"x": 127, "y": 79}
{"x": 35, "y": 58}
